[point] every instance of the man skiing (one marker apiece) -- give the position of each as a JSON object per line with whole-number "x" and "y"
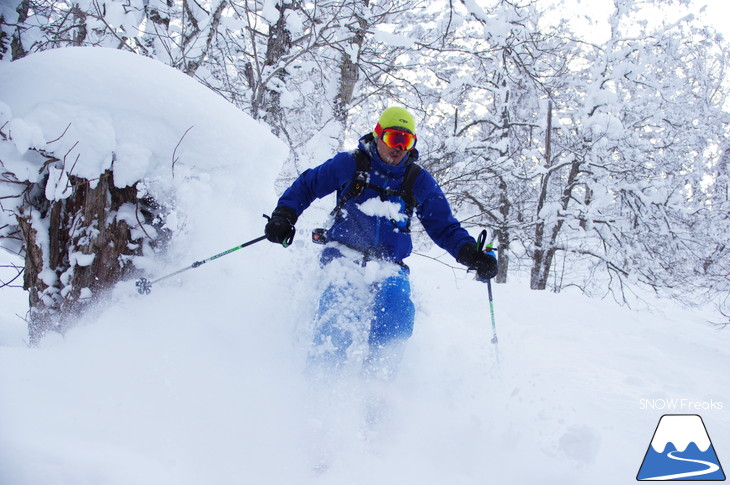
{"x": 379, "y": 187}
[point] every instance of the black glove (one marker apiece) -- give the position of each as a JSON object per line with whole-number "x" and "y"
{"x": 485, "y": 264}
{"x": 280, "y": 228}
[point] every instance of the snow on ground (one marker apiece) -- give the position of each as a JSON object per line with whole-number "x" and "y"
{"x": 202, "y": 380}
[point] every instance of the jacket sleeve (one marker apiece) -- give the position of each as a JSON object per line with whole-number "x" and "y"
{"x": 435, "y": 214}
{"x": 318, "y": 182}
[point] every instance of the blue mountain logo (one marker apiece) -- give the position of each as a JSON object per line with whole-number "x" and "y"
{"x": 680, "y": 450}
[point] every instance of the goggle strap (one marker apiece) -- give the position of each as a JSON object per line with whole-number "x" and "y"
{"x": 379, "y": 130}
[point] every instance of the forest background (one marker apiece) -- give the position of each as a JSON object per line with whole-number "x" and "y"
{"x": 594, "y": 143}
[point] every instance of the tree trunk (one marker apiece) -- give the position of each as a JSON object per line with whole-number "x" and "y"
{"x": 349, "y": 72}
{"x": 538, "y": 276}
{"x": 545, "y": 250}
{"x": 503, "y": 235}
{"x": 279, "y": 44}
{"x": 78, "y": 248}
{"x": 80, "y": 31}
{"x": 539, "y": 272}
{"x": 17, "y": 50}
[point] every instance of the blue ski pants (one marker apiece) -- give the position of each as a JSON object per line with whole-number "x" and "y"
{"x": 358, "y": 308}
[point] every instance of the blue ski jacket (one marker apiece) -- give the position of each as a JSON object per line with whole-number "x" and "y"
{"x": 377, "y": 233}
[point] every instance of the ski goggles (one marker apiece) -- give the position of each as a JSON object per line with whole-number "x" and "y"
{"x": 398, "y": 139}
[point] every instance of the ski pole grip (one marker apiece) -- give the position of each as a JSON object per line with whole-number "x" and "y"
{"x": 481, "y": 240}
{"x": 289, "y": 239}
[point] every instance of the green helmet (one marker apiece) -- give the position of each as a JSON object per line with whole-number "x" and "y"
{"x": 395, "y": 117}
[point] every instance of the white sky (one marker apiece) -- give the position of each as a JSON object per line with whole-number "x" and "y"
{"x": 589, "y": 17}
{"x": 716, "y": 13}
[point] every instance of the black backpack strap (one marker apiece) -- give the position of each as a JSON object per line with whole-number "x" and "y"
{"x": 409, "y": 180}
{"x": 361, "y": 180}
{"x": 407, "y": 193}
{"x": 355, "y": 187}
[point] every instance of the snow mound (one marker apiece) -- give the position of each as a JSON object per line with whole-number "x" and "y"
{"x": 104, "y": 108}
{"x": 98, "y": 109}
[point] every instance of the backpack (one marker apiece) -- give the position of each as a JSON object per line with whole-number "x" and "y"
{"x": 361, "y": 180}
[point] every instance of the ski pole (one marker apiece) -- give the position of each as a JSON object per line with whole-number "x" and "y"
{"x": 144, "y": 286}
{"x": 481, "y": 240}
{"x": 495, "y": 341}
{"x": 491, "y": 311}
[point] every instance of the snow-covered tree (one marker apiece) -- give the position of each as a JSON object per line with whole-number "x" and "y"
{"x": 582, "y": 156}
{"x": 489, "y": 72}
{"x": 637, "y": 129}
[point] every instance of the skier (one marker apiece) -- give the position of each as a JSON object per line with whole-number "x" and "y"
{"x": 379, "y": 186}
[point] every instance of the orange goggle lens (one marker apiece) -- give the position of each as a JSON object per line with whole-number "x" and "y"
{"x": 398, "y": 139}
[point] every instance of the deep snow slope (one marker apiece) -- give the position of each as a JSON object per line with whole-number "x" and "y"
{"x": 203, "y": 381}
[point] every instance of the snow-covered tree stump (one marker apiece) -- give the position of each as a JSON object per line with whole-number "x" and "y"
{"x": 104, "y": 156}
{"x": 81, "y": 245}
